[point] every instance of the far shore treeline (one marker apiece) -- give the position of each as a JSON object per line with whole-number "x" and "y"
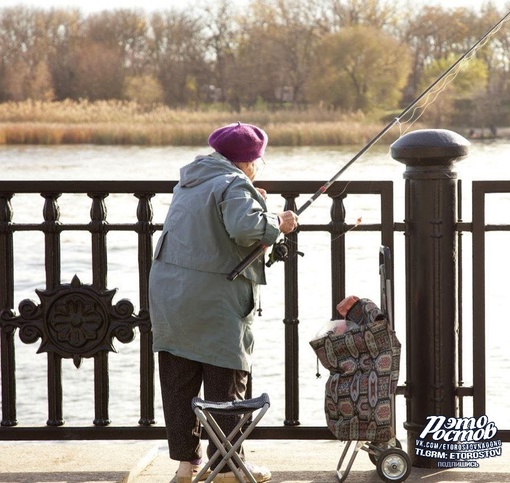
{"x": 312, "y": 72}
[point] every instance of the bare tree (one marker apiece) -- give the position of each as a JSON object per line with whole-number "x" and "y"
{"x": 435, "y": 33}
{"x": 24, "y": 46}
{"x": 382, "y": 14}
{"x": 222, "y": 33}
{"x": 177, "y": 48}
{"x": 98, "y": 73}
{"x": 360, "y": 68}
{"x": 280, "y": 52}
{"x": 122, "y": 29}
{"x": 276, "y": 45}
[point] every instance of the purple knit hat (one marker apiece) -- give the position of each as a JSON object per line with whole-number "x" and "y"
{"x": 239, "y": 142}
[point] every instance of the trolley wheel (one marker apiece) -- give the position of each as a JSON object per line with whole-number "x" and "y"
{"x": 381, "y": 447}
{"x": 393, "y": 465}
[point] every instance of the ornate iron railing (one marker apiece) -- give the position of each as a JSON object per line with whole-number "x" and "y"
{"x": 75, "y": 320}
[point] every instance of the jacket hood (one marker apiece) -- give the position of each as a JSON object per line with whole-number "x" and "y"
{"x": 204, "y": 168}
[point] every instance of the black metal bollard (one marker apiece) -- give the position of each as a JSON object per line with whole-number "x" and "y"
{"x": 431, "y": 276}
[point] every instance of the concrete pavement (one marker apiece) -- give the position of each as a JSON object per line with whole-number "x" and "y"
{"x": 148, "y": 462}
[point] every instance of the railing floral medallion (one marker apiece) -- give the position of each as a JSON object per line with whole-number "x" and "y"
{"x": 75, "y": 321}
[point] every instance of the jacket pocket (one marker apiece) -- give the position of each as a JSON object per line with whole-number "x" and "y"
{"x": 159, "y": 245}
{"x": 250, "y": 301}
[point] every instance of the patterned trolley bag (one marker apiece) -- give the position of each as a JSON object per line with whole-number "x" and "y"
{"x": 364, "y": 369}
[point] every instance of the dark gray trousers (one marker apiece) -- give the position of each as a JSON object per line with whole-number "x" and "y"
{"x": 181, "y": 380}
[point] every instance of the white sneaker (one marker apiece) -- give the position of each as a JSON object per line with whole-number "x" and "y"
{"x": 187, "y": 471}
{"x": 260, "y": 473}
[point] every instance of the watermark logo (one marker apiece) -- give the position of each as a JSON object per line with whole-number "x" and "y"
{"x": 458, "y": 442}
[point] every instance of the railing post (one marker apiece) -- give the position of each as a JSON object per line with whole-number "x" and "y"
{"x": 51, "y": 229}
{"x": 431, "y": 276}
{"x": 7, "y": 346}
{"x": 338, "y": 229}
{"x": 291, "y": 323}
{"x": 147, "y": 366}
{"x": 98, "y": 231}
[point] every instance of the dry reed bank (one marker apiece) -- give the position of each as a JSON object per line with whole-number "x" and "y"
{"x": 127, "y": 123}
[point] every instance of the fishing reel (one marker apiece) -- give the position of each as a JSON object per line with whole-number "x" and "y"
{"x": 280, "y": 253}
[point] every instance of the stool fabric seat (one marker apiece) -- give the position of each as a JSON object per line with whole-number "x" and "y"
{"x": 231, "y": 407}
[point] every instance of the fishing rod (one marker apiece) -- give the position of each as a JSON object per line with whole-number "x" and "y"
{"x": 259, "y": 250}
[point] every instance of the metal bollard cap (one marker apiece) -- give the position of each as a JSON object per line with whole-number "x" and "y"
{"x": 429, "y": 147}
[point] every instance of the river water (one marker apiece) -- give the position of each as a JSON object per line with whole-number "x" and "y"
{"x": 486, "y": 161}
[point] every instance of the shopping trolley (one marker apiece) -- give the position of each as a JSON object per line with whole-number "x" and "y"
{"x": 359, "y": 395}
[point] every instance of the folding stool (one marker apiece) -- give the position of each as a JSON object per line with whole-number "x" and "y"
{"x": 204, "y": 411}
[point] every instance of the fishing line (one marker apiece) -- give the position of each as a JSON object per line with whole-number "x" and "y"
{"x": 450, "y": 77}
{"x": 434, "y": 94}
{"x": 358, "y": 222}
{"x": 450, "y": 73}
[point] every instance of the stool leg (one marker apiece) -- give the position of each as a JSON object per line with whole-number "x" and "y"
{"x": 232, "y": 454}
{"x": 232, "y": 451}
{"x": 224, "y": 446}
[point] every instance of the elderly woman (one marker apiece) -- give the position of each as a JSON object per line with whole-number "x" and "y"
{"x": 202, "y": 323}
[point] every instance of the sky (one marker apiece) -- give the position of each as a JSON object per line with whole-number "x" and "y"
{"x": 87, "y": 6}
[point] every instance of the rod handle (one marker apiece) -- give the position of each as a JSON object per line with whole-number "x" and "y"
{"x": 244, "y": 264}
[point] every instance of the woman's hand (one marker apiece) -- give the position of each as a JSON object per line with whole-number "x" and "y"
{"x": 288, "y": 221}
{"x": 262, "y": 192}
